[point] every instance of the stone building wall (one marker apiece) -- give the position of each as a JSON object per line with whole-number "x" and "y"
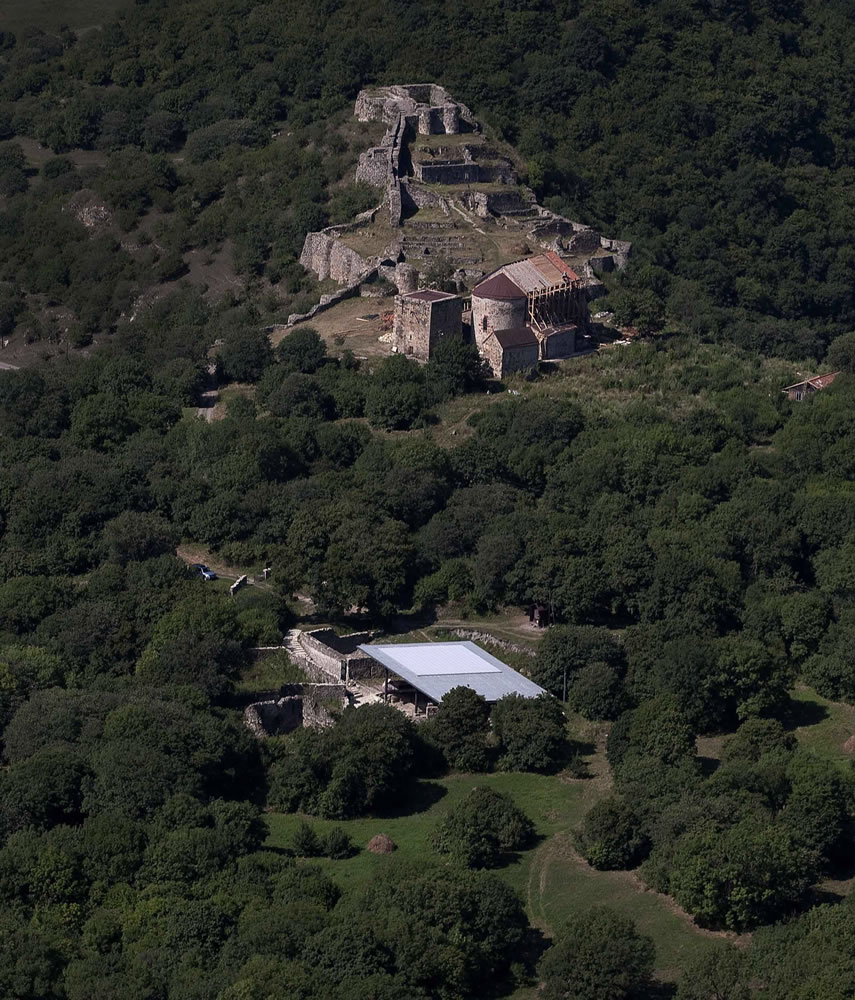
{"x": 411, "y": 327}
{"x": 560, "y": 344}
{"x": 505, "y": 314}
{"x": 505, "y": 361}
{"x": 418, "y": 324}
{"x": 446, "y": 320}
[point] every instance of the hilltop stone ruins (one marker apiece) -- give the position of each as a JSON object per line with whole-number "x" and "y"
{"x": 449, "y": 198}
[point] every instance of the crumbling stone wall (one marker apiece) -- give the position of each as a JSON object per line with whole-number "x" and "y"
{"x": 300, "y": 705}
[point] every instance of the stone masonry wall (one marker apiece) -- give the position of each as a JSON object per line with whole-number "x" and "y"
{"x": 322, "y": 656}
{"x": 411, "y": 327}
{"x": 328, "y": 257}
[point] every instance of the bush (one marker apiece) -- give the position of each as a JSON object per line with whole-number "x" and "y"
{"x": 307, "y": 844}
{"x": 337, "y": 844}
{"x": 530, "y": 732}
{"x": 611, "y": 836}
{"x": 482, "y": 828}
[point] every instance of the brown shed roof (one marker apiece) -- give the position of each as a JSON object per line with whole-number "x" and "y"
{"x": 498, "y": 287}
{"x": 521, "y": 336}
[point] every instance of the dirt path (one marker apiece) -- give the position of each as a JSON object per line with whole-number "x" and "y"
{"x": 208, "y": 399}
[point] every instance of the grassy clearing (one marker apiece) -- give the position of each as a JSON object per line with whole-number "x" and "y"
{"x": 824, "y": 726}
{"x": 550, "y": 878}
{"x": 270, "y": 672}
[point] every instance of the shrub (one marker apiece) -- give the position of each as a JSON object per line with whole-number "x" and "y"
{"x": 483, "y": 827}
{"x": 307, "y": 844}
{"x": 611, "y": 836}
{"x": 337, "y": 844}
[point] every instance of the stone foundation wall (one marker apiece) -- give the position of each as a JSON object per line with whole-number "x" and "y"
{"x": 346, "y": 645}
{"x": 491, "y": 640}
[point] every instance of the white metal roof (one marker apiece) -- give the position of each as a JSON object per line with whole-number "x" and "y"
{"x": 434, "y": 668}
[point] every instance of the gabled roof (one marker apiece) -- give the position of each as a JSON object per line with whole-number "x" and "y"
{"x": 521, "y": 336}
{"x": 546, "y": 270}
{"x": 817, "y": 382}
{"x": 498, "y": 287}
{"x": 434, "y": 668}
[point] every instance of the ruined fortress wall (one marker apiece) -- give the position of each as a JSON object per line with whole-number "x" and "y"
{"x": 373, "y": 167}
{"x": 585, "y": 241}
{"x": 449, "y": 173}
{"x": 300, "y": 705}
{"x": 322, "y": 656}
{"x": 328, "y": 257}
{"x": 621, "y": 250}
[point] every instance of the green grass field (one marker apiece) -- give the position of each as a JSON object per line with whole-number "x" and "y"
{"x": 550, "y": 878}
{"x": 825, "y": 725}
{"x": 15, "y": 15}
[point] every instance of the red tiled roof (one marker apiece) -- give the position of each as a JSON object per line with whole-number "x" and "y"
{"x": 553, "y": 258}
{"x": 521, "y": 336}
{"x": 429, "y": 295}
{"x": 821, "y": 381}
{"x": 498, "y": 287}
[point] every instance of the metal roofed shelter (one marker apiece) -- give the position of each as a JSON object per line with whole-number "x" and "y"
{"x": 432, "y": 669}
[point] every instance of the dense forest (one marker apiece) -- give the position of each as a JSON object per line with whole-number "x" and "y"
{"x": 716, "y": 136}
{"x": 690, "y": 532}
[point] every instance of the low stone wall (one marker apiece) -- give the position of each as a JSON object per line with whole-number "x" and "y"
{"x": 491, "y": 640}
{"x": 326, "y": 302}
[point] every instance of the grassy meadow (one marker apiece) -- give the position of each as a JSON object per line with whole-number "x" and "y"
{"x": 550, "y": 877}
